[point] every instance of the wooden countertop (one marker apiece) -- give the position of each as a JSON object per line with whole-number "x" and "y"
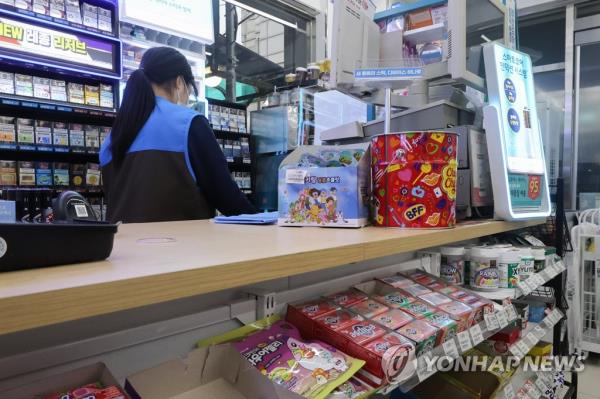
{"x": 201, "y": 257}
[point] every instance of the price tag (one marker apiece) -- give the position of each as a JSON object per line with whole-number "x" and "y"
{"x": 450, "y": 348}
{"x": 476, "y": 334}
{"x": 531, "y": 339}
{"x": 547, "y": 275}
{"x": 502, "y": 319}
{"x": 509, "y": 392}
{"x": 523, "y": 347}
{"x": 534, "y": 392}
{"x": 464, "y": 341}
{"x": 530, "y": 283}
{"x": 516, "y": 351}
{"x": 541, "y": 385}
{"x": 491, "y": 322}
{"x": 510, "y": 313}
{"x": 560, "y": 265}
{"x": 524, "y": 287}
{"x": 423, "y": 371}
{"x": 538, "y": 279}
{"x": 539, "y": 332}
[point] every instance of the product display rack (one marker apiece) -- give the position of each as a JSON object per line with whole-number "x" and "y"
{"x": 226, "y": 132}
{"x": 71, "y": 62}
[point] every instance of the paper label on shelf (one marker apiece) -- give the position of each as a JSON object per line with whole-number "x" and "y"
{"x": 491, "y": 322}
{"x": 510, "y": 312}
{"x": 539, "y": 279}
{"x": 531, "y": 339}
{"x": 476, "y": 334}
{"x": 541, "y": 384}
{"x": 502, "y": 319}
{"x": 539, "y": 332}
{"x": 547, "y": 274}
{"x": 530, "y": 284}
{"x": 524, "y": 287}
{"x": 464, "y": 341}
{"x": 523, "y": 347}
{"x": 560, "y": 265}
{"x": 509, "y": 392}
{"x": 547, "y": 322}
{"x": 295, "y": 176}
{"x": 534, "y": 392}
{"x": 423, "y": 371}
{"x": 516, "y": 351}
{"x": 450, "y": 348}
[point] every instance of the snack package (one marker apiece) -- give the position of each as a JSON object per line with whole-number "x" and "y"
{"x": 369, "y": 308}
{"x": 435, "y": 298}
{"x": 393, "y": 355}
{"x": 423, "y": 334}
{"x": 480, "y": 308}
{"x": 363, "y": 332}
{"x": 352, "y": 389}
{"x": 418, "y": 309}
{"x": 469, "y": 299}
{"x": 393, "y": 319}
{"x": 448, "y": 290}
{"x": 459, "y": 312}
{"x": 347, "y": 298}
{"x": 425, "y": 280}
{"x": 302, "y": 315}
{"x": 458, "y": 294}
{"x": 447, "y": 327}
{"x": 397, "y": 281}
{"x": 416, "y": 290}
{"x": 395, "y": 300}
{"x": 94, "y": 390}
{"x": 338, "y": 320}
{"x": 311, "y": 369}
{"x": 436, "y": 286}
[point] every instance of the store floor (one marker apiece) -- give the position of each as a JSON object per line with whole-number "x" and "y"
{"x": 588, "y": 379}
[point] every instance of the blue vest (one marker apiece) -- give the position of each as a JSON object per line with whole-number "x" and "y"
{"x": 155, "y": 182}
{"x": 166, "y": 130}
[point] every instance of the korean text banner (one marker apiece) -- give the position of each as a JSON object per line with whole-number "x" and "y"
{"x": 38, "y": 41}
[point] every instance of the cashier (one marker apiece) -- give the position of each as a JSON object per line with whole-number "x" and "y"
{"x": 161, "y": 161}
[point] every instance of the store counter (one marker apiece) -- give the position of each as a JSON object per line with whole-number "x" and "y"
{"x": 159, "y": 262}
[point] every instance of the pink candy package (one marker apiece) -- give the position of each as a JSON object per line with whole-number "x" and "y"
{"x": 347, "y": 298}
{"x": 311, "y": 369}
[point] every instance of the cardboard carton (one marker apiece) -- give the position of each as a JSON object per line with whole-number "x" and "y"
{"x": 64, "y": 382}
{"x": 326, "y": 186}
{"x": 214, "y": 372}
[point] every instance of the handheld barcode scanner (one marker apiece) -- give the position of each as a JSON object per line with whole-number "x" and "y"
{"x": 70, "y": 206}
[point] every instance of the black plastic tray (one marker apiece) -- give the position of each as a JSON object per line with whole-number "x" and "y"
{"x": 28, "y": 246}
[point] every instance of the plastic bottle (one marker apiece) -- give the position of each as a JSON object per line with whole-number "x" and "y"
{"x": 539, "y": 258}
{"x": 508, "y": 266}
{"x": 484, "y": 269}
{"x": 453, "y": 265}
{"x": 526, "y": 266}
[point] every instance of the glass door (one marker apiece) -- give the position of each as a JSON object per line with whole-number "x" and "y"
{"x": 586, "y": 165}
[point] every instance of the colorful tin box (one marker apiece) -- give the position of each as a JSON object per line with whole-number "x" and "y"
{"x": 414, "y": 179}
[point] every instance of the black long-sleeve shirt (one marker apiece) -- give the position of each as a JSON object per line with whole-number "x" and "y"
{"x": 212, "y": 173}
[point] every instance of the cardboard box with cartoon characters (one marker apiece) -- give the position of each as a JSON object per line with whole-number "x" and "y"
{"x": 327, "y": 186}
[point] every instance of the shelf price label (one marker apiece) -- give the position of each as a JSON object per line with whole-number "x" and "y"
{"x": 510, "y": 313}
{"x": 516, "y": 351}
{"x": 539, "y": 332}
{"x": 523, "y": 347}
{"x": 464, "y": 341}
{"x": 534, "y": 392}
{"x": 538, "y": 279}
{"x": 524, "y": 287}
{"x": 491, "y": 322}
{"x": 502, "y": 319}
{"x": 532, "y": 339}
{"x": 541, "y": 385}
{"x": 476, "y": 334}
{"x": 450, "y": 348}
{"x": 509, "y": 392}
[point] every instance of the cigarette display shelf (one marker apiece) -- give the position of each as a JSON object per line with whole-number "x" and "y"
{"x": 49, "y": 156}
{"x": 62, "y": 23}
{"x": 40, "y": 107}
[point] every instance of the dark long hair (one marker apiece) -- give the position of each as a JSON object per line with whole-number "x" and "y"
{"x": 161, "y": 66}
